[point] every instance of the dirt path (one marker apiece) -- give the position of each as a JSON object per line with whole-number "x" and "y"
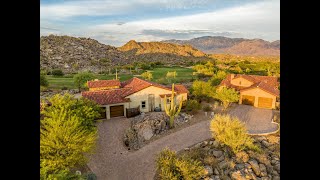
{"x": 112, "y": 161}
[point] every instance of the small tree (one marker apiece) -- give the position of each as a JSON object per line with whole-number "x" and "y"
{"x": 232, "y": 132}
{"x": 57, "y": 72}
{"x": 81, "y": 79}
{"x": 202, "y": 89}
{"x": 63, "y": 142}
{"x": 217, "y": 78}
{"x": 193, "y": 105}
{"x": 172, "y": 111}
{"x": 43, "y": 80}
{"x": 226, "y": 96}
{"x": 171, "y": 75}
{"x": 147, "y": 75}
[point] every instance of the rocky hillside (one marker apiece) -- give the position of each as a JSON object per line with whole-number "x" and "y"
{"x": 74, "y": 54}
{"x": 238, "y": 46}
{"x": 161, "y": 47}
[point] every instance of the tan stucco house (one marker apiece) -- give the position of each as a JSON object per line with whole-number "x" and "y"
{"x": 116, "y": 96}
{"x": 258, "y": 91}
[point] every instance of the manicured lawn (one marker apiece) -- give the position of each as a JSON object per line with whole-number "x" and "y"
{"x": 159, "y": 75}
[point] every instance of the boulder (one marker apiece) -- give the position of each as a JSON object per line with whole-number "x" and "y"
{"x": 237, "y": 175}
{"x": 242, "y": 157}
{"x": 215, "y": 144}
{"x": 215, "y": 153}
{"x": 266, "y": 144}
{"x": 276, "y": 178}
{"x": 240, "y": 166}
{"x": 277, "y": 167}
{"x": 263, "y": 170}
{"x": 216, "y": 172}
{"x": 223, "y": 164}
{"x": 146, "y": 132}
{"x": 221, "y": 158}
{"x": 209, "y": 170}
{"x": 255, "y": 167}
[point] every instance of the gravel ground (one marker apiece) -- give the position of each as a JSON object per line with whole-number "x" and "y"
{"x": 113, "y": 161}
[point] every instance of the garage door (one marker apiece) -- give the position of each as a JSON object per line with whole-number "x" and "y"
{"x": 116, "y": 111}
{"x": 248, "y": 100}
{"x": 264, "y": 102}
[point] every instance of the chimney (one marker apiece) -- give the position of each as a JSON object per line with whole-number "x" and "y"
{"x": 232, "y": 76}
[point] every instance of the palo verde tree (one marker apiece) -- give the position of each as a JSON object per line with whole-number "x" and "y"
{"x": 172, "y": 111}
{"x": 171, "y": 75}
{"x": 67, "y": 133}
{"x": 226, "y": 96}
{"x": 81, "y": 79}
{"x": 147, "y": 75}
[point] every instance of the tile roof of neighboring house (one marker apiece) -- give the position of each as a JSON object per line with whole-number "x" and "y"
{"x": 180, "y": 88}
{"x": 104, "y": 97}
{"x": 131, "y": 86}
{"x": 267, "y": 83}
{"x": 103, "y": 83}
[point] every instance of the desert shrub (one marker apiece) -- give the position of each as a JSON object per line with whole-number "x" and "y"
{"x": 147, "y": 75}
{"x": 193, "y": 105}
{"x": 57, "y": 72}
{"x": 226, "y": 96}
{"x": 232, "y": 132}
{"x": 207, "y": 108}
{"x": 42, "y": 88}
{"x": 43, "y": 80}
{"x": 63, "y": 174}
{"x": 171, "y": 167}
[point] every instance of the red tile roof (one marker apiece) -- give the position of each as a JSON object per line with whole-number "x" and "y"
{"x": 104, "y": 97}
{"x": 267, "y": 83}
{"x": 179, "y": 88}
{"x": 103, "y": 83}
{"x": 131, "y": 86}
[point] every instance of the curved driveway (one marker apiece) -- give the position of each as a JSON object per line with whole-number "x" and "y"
{"x": 113, "y": 161}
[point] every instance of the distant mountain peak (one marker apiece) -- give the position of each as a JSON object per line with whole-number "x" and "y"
{"x": 238, "y": 46}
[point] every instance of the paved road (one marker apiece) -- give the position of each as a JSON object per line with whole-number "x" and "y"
{"x": 257, "y": 120}
{"x": 113, "y": 161}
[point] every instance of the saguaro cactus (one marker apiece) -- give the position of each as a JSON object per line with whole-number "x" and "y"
{"x": 173, "y": 110}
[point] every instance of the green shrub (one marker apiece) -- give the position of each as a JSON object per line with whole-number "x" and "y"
{"x": 232, "y": 132}
{"x": 57, "y": 72}
{"x": 64, "y": 88}
{"x": 171, "y": 167}
{"x": 42, "y": 88}
{"x": 43, "y": 80}
{"x": 90, "y": 176}
{"x": 193, "y": 105}
{"x": 207, "y": 108}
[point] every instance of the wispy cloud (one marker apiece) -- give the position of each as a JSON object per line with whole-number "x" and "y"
{"x": 119, "y": 22}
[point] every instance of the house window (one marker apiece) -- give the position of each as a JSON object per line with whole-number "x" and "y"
{"x": 239, "y": 82}
{"x": 143, "y": 104}
{"x": 169, "y": 100}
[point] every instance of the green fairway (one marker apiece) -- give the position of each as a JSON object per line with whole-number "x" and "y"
{"x": 159, "y": 75}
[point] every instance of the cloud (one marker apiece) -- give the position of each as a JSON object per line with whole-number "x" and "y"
{"x": 260, "y": 19}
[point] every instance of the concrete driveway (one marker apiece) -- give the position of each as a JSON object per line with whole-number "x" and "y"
{"x": 113, "y": 161}
{"x": 257, "y": 120}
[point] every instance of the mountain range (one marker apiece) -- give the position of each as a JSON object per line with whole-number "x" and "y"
{"x": 237, "y": 46}
{"x": 72, "y": 54}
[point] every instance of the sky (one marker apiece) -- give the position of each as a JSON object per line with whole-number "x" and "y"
{"x": 115, "y": 22}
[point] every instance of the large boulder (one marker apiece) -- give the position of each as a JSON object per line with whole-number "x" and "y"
{"x": 209, "y": 170}
{"x": 146, "y": 132}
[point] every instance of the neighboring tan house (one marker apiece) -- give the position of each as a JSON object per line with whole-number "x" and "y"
{"x": 258, "y": 91}
{"x": 116, "y": 97}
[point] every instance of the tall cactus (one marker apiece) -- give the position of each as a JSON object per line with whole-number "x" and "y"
{"x": 173, "y": 110}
